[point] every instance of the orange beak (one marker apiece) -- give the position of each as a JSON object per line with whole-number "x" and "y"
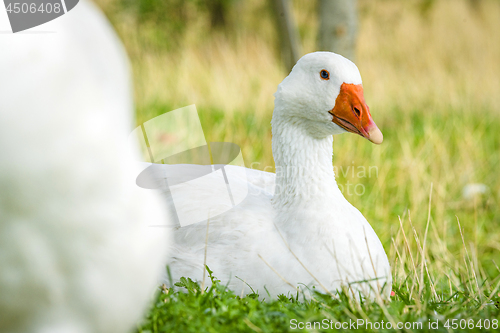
{"x": 352, "y": 114}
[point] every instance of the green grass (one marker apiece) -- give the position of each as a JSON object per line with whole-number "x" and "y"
{"x": 186, "y": 309}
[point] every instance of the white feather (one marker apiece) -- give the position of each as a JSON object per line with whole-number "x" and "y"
{"x": 76, "y": 252}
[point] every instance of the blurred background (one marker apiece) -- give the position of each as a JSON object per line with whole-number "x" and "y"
{"x": 431, "y": 76}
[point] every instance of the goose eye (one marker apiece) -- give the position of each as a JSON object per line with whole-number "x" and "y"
{"x": 324, "y": 74}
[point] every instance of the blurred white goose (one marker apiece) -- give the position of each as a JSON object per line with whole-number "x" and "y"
{"x": 334, "y": 243}
{"x": 76, "y": 253}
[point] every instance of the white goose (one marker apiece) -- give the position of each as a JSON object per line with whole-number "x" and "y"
{"x": 76, "y": 252}
{"x": 323, "y": 240}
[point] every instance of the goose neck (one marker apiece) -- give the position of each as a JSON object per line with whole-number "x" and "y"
{"x": 304, "y": 171}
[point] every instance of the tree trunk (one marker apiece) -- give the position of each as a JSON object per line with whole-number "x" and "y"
{"x": 287, "y": 33}
{"x": 338, "y": 27}
{"x": 218, "y": 12}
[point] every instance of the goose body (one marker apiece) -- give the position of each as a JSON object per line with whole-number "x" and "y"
{"x": 295, "y": 227}
{"x": 76, "y": 252}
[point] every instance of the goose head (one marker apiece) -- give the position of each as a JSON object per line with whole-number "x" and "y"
{"x": 325, "y": 93}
